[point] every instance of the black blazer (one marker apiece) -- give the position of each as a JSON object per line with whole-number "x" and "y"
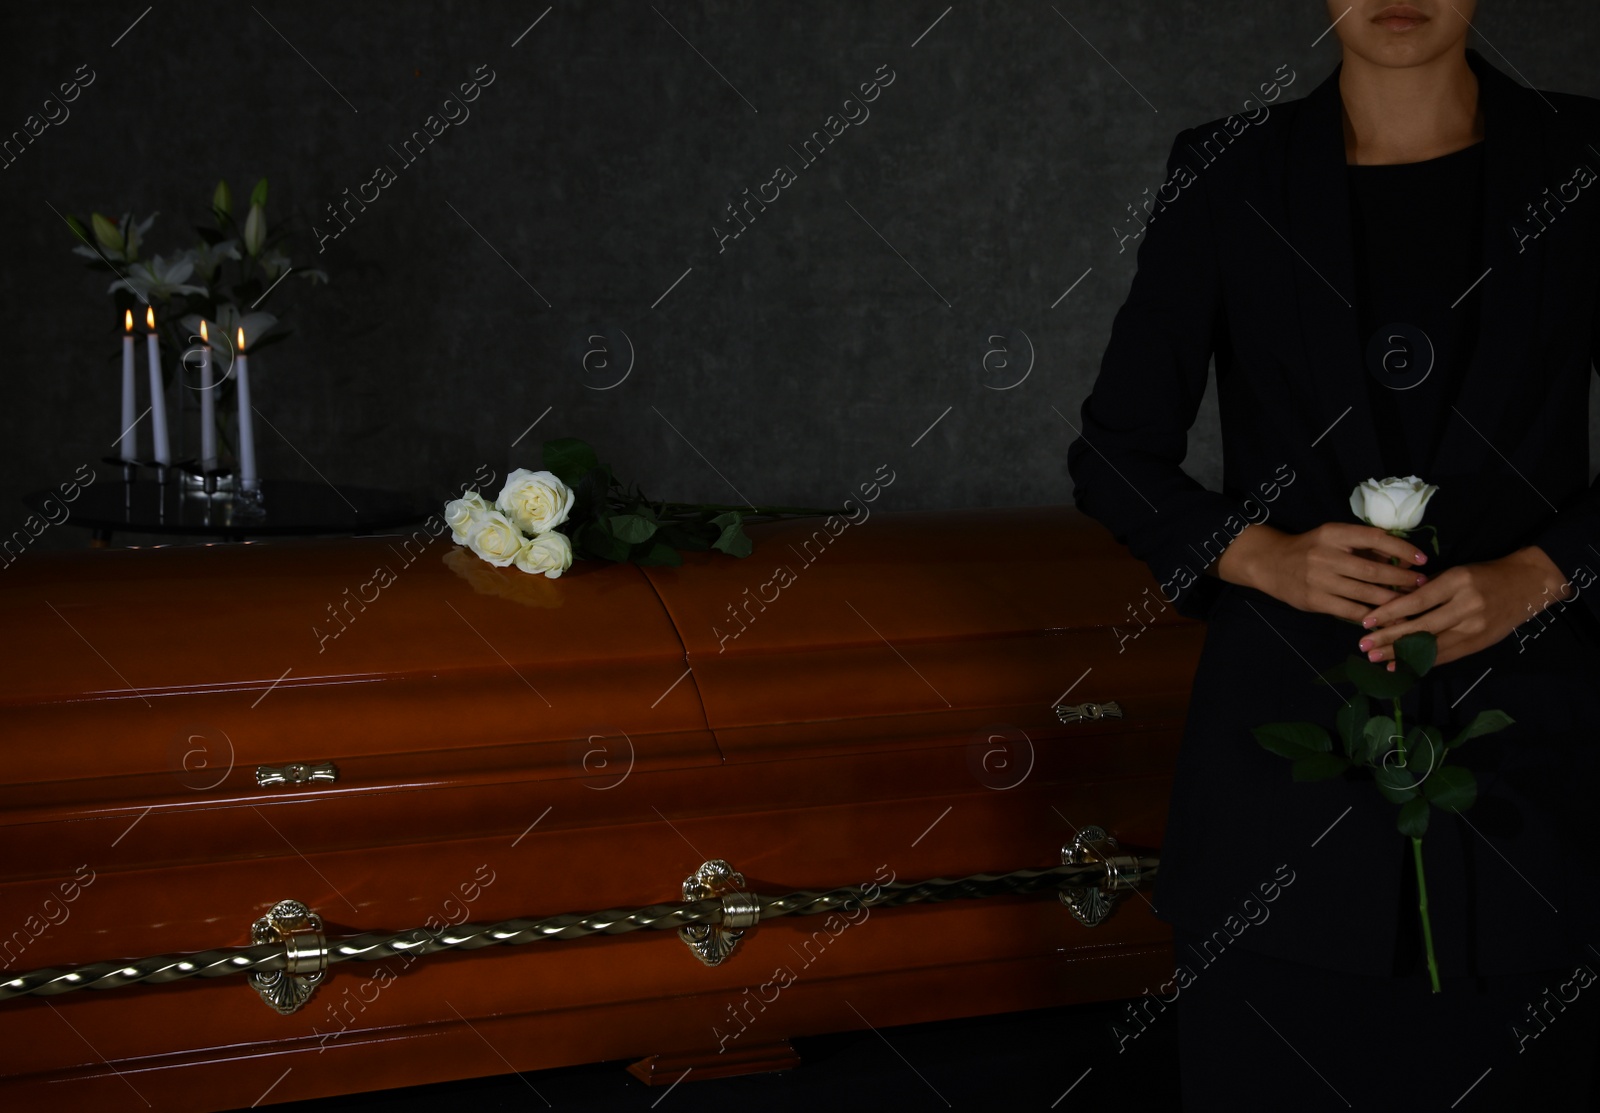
{"x": 1247, "y": 259}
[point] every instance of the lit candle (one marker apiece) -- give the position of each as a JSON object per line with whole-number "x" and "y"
{"x": 128, "y": 441}
{"x": 208, "y": 413}
{"x": 247, "y": 430}
{"x": 158, "y": 394}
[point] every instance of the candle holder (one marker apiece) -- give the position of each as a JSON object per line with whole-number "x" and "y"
{"x": 218, "y": 484}
{"x": 164, "y": 473}
{"x": 248, "y": 503}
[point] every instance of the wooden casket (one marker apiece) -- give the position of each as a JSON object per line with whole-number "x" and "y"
{"x": 416, "y": 745}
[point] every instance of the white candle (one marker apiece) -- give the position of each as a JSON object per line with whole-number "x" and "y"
{"x": 128, "y": 440}
{"x": 158, "y": 394}
{"x": 247, "y": 429}
{"x": 208, "y": 412}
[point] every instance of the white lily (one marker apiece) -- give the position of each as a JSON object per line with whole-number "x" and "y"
{"x": 224, "y": 331}
{"x": 275, "y": 262}
{"x": 158, "y": 278}
{"x": 209, "y": 256}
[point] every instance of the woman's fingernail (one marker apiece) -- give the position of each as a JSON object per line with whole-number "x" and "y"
{"x": 1418, "y": 558}
{"x": 1421, "y": 579}
{"x": 1368, "y": 622}
{"x": 1364, "y": 645}
{"x": 1375, "y": 655}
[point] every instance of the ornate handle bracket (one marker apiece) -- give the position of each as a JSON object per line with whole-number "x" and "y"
{"x": 296, "y": 773}
{"x": 713, "y": 943}
{"x": 1091, "y": 904}
{"x": 1088, "y": 712}
{"x": 305, "y": 955}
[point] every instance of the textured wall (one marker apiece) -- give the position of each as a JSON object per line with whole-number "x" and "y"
{"x": 845, "y": 328}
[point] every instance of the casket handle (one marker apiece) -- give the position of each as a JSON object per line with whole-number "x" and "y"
{"x": 291, "y": 954}
{"x": 296, "y": 772}
{"x": 713, "y": 943}
{"x": 1088, "y": 712}
{"x": 1091, "y": 904}
{"x": 305, "y": 956}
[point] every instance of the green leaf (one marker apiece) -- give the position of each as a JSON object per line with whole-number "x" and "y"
{"x": 1350, "y": 721}
{"x": 1451, "y": 787}
{"x": 1395, "y": 783}
{"x": 1380, "y": 738}
{"x": 733, "y": 541}
{"x": 632, "y": 528}
{"x": 77, "y": 227}
{"x": 1414, "y": 818}
{"x": 659, "y": 554}
{"x": 1334, "y": 675}
{"x": 568, "y": 458}
{"x": 1318, "y": 767}
{"x": 1484, "y": 722}
{"x": 1293, "y": 740}
{"x": 1424, "y": 751}
{"x": 597, "y": 542}
{"x": 222, "y": 200}
{"x": 1416, "y": 652}
{"x": 258, "y": 195}
{"x": 1376, "y": 680}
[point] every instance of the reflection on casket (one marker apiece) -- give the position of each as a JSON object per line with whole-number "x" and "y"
{"x": 512, "y": 746}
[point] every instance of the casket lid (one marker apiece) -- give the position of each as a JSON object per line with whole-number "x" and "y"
{"x": 166, "y": 676}
{"x": 188, "y": 667}
{"x": 917, "y": 628}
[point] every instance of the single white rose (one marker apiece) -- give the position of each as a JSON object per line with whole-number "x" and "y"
{"x": 550, "y": 553}
{"x": 535, "y": 500}
{"x": 1392, "y": 504}
{"x": 462, "y": 513}
{"x": 495, "y": 539}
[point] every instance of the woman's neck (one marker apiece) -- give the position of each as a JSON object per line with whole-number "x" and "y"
{"x": 1411, "y": 113}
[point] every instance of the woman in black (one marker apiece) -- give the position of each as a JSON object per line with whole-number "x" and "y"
{"x": 1395, "y": 276}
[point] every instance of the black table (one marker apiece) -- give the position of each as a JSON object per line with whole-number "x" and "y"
{"x": 293, "y": 509}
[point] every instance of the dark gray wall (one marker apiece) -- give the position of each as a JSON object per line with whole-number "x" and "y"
{"x": 821, "y": 343}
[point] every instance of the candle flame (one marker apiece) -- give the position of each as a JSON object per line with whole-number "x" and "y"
{"x": 203, "y": 338}
{"x": 241, "y": 339}
{"x": 127, "y": 319}
{"x": 150, "y": 317}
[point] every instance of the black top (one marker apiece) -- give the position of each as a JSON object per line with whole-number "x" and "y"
{"x": 1418, "y": 231}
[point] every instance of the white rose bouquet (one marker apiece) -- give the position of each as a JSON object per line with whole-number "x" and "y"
{"x": 520, "y": 528}
{"x": 541, "y": 521}
{"x": 1408, "y": 765}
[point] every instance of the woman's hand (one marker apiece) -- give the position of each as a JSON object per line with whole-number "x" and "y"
{"x": 1468, "y": 607}
{"x": 1340, "y": 568}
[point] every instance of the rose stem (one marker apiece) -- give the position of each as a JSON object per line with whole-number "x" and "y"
{"x": 1422, "y": 881}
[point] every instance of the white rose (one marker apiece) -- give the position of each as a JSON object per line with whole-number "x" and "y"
{"x": 1392, "y": 504}
{"x": 550, "y": 553}
{"x": 495, "y": 539}
{"x": 535, "y": 500}
{"x": 462, "y": 513}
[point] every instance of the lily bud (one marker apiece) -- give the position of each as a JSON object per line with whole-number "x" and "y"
{"x": 258, "y": 196}
{"x": 131, "y": 238}
{"x": 255, "y": 230}
{"x": 107, "y": 233}
{"x": 222, "y": 201}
